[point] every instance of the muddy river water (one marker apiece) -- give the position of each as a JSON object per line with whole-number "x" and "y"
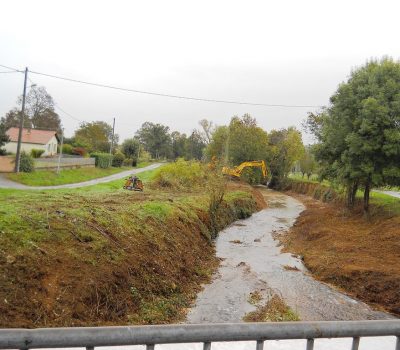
{"x": 251, "y": 260}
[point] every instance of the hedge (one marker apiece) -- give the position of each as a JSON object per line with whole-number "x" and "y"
{"x": 102, "y": 160}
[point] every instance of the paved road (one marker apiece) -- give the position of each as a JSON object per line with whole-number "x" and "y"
{"x": 6, "y": 183}
{"x": 391, "y": 193}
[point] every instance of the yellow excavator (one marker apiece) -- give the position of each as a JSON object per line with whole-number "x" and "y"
{"x": 237, "y": 171}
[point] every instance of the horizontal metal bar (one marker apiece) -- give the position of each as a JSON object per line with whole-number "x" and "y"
{"x": 140, "y": 335}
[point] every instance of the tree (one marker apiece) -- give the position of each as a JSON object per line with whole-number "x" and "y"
{"x": 194, "y": 146}
{"x": 359, "y": 135}
{"x": 156, "y": 139}
{"x": 284, "y": 148}
{"x": 130, "y": 147}
{"x": 307, "y": 162}
{"x": 12, "y": 119}
{"x": 207, "y": 130}
{"x": 39, "y": 111}
{"x": 95, "y": 136}
{"x": 178, "y": 144}
{"x": 3, "y": 138}
{"x": 218, "y": 146}
{"x": 241, "y": 141}
{"x": 247, "y": 141}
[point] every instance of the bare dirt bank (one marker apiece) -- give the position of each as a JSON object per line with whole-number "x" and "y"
{"x": 361, "y": 257}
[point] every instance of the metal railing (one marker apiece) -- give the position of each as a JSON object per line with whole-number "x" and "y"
{"x": 203, "y": 333}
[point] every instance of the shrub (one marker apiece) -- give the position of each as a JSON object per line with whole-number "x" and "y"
{"x": 118, "y": 159}
{"x": 67, "y": 149}
{"x": 181, "y": 174}
{"x": 27, "y": 164}
{"x": 102, "y": 160}
{"x": 134, "y": 161}
{"x": 37, "y": 153}
{"x": 80, "y": 151}
{"x": 129, "y": 162}
{"x": 144, "y": 156}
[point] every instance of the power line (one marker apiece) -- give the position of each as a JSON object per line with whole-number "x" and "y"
{"x": 172, "y": 96}
{"x": 13, "y": 69}
{"x": 166, "y": 95}
{"x": 9, "y": 72}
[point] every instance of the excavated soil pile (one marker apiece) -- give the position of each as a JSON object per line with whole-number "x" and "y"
{"x": 360, "y": 256}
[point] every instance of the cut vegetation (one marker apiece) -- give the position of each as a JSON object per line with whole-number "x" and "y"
{"x": 105, "y": 256}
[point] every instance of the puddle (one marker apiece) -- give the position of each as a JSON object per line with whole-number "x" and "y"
{"x": 258, "y": 264}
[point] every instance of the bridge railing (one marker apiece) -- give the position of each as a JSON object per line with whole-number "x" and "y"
{"x": 202, "y": 333}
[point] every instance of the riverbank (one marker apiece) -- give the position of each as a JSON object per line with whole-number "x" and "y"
{"x": 102, "y": 255}
{"x": 342, "y": 248}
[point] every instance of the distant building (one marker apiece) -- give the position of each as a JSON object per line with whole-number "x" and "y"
{"x": 33, "y": 139}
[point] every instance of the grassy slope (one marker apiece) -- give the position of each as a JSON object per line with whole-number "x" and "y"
{"x": 343, "y": 248}
{"x": 103, "y": 255}
{"x": 66, "y": 176}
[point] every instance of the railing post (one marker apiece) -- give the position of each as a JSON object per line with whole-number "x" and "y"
{"x": 310, "y": 344}
{"x": 397, "y": 343}
{"x": 356, "y": 343}
{"x": 90, "y": 348}
{"x": 150, "y": 346}
{"x": 206, "y": 346}
{"x": 260, "y": 345}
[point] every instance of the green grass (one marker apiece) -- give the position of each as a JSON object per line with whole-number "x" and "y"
{"x": 66, "y": 176}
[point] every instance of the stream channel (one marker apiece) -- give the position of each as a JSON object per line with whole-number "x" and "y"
{"x": 251, "y": 260}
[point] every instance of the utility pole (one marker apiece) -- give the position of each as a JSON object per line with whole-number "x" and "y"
{"x": 112, "y": 140}
{"x": 21, "y": 125}
{"x": 61, "y": 147}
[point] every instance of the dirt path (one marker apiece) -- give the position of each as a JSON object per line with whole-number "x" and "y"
{"x": 252, "y": 261}
{"x": 6, "y": 183}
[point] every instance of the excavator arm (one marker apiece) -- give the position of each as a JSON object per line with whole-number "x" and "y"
{"x": 237, "y": 171}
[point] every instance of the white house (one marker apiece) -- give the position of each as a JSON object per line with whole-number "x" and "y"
{"x": 33, "y": 139}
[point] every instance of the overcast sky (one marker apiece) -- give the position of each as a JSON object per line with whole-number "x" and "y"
{"x": 274, "y": 52}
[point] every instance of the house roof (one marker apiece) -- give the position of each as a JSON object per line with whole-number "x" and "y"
{"x": 37, "y": 136}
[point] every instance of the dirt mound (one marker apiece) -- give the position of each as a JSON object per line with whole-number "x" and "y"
{"x": 360, "y": 256}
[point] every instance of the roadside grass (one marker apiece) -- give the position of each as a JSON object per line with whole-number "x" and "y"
{"x": 66, "y": 176}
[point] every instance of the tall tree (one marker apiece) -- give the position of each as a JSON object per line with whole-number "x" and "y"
{"x": 39, "y": 111}
{"x": 130, "y": 147}
{"x": 359, "y": 135}
{"x": 178, "y": 141}
{"x": 285, "y": 147}
{"x": 194, "y": 146}
{"x": 156, "y": 139}
{"x": 208, "y": 128}
{"x": 12, "y": 119}
{"x": 95, "y": 136}
{"x": 307, "y": 162}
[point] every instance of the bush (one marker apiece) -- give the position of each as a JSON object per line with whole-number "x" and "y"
{"x": 129, "y": 162}
{"x": 67, "y": 149}
{"x": 118, "y": 159}
{"x": 79, "y": 151}
{"x": 181, "y": 174}
{"x": 134, "y": 161}
{"x": 102, "y": 160}
{"x": 27, "y": 164}
{"x": 37, "y": 153}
